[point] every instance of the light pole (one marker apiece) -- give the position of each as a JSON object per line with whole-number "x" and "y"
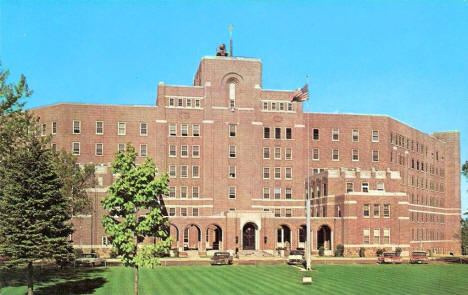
{"x": 307, "y": 248}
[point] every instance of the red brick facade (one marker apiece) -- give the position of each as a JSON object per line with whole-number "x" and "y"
{"x": 238, "y": 157}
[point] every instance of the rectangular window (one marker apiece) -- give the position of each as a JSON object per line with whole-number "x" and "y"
{"x": 195, "y": 171}
{"x": 98, "y": 149}
{"x": 75, "y": 148}
{"x": 288, "y": 153}
{"x": 196, "y": 130}
{"x": 232, "y": 172}
{"x": 335, "y": 134}
{"x": 366, "y": 210}
{"x": 171, "y": 102}
{"x": 376, "y": 236}
{"x": 355, "y": 155}
{"x": 288, "y": 193}
{"x": 172, "y": 129}
{"x": 266, "y": 152}
{"x": 76, "y": 127}
{"x": 171, "y": 211}
{"x": 172, "y": 192}
{"x": 143, "y": 129}
{"x": 143, "y": 150}
{"x": 232, "y": 130}
{"x": 365, "y": 187}
{"x": 184, "y": 171}
{"x": 99, "y": 127}
{"x": 380, "y": 186}
{"x": 266, "y": 192}
{"x": 266, "y": 132}
{"x": 172, "y": 150}
{"x": 376, "y": 210}
{"x": 43, "y": 129}
{"x": 281, "y": 106}
{"x": 277, "y": 172}
{"x": 195, "y": 192}
{"x": 184, "y": 151}
{"x": 386, "y": 236}
{"x": 315, "y": 155}
{"x": 180, "y": 102}
{"x": 188, "y": 102}
{"x": 375, "y": 156}
{"x": 277, "y": 212}
{"x": 288, "y": 212}
{"x": 366, "y": 236}
{"x": 375, "y": 136}
{"x": 349, "y": 187}
{"x": 355, "y": 135}
{"x": 277, "y": 133}
{"x": 121, "y": 147}
{"x": 172, "y": 171}
{"x": 265, "y": 106}
{"x": 183, "y": 192}
{"x": 232, "y": 151}
{"x": 184, "y": 130}
{"x": 232, "y": 192}
{"x": 104, "y": 241}
{"x": 266, "y": 172}
{"x": 194, "y": 211}
{"x": 277, "y": 153}
{"x": 288, "y": 133}
{"x": 386, "y": 211}
{"x": 54, "y": 147}
{"x": 277, "y": 192}
{"x": 335, "y": 155}
{"x": 288, "y": 173}
{"x": 315, "y": 134}
{"x": 54, "y": 127}
{"x": 273, "y": 106}
{"x": 183, "y": 211}
{"x": 195, "y": 151}
{"x": 121, "y": 128}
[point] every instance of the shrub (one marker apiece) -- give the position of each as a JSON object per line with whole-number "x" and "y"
{"x": 113, "y": 253}
{"x": 78, "y": 252}
{"x": 339, "y": 251}
{"x": 362, "y": 252}
{"x": 321, "y": 251}
{"x": 398, "y": 251}
{"x": 379, "y": 251}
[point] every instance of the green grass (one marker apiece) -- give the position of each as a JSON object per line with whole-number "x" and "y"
{"x": 261, "y": 279}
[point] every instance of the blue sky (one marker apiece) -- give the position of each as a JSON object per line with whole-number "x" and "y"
{"x": 407, "y": 59}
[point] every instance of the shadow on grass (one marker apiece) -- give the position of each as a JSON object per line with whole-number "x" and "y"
{"x": 53, "y": 281}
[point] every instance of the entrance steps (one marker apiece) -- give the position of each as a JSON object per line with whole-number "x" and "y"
{"x": 254, "y": 254}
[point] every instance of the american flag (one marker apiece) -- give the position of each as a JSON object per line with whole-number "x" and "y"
{"x": 301, "y": 94}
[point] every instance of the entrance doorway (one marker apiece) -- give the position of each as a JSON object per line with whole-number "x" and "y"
{"x": 324, "y": 237}
{"x": 248, "y": 236}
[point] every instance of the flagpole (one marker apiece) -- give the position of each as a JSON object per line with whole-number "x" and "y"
{"x": 308, "y": 246}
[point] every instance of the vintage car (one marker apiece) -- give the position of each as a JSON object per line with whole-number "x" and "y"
{"x": 90, "y": 259}
{"x": 220, "y": 258}
{"x": 419, "y": 257}
{"x": 389, "y": 257}
{"x": 296, "y": 257}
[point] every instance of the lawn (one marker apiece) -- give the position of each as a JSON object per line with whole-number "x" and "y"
{"x": 261, "y": 279}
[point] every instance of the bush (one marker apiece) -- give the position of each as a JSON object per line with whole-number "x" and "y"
{"x": 362, "y": 252}
{"x": 398, "y": 251}
{"x": 113, "y": 253}
{"x": 339, "y": 251}
{"x": 380, "y": 251}
{"x": 78, "y": 252}
{"x": 321, "y": 251}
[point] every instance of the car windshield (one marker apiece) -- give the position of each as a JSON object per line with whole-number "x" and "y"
{"x": 296, "y": 252}
{"x": 221, "y": 254}
{"x": 389, "y": 254}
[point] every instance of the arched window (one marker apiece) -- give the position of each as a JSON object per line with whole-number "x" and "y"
{"x": 232, "y": 94}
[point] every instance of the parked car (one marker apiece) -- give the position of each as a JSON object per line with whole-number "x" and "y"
{"x": 389, "y": 257}
{"x": 419, "y": 257}
{"x": 220, "y": 258}
{"x": 91, "y": 259}
{"x": 296, "y": 257}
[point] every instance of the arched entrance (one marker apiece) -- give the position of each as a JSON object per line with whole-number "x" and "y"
{"x": 192, "y": 237}
{"x": 174, "y": 233}
{"x": 249, "y": 236}
{"x": 324, "y": 237}
{"x": 283, "y": 237}
{"x": 214, "y": 237}
{"x": 302, "y": 235}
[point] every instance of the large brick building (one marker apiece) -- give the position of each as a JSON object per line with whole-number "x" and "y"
{"x": 239, "y": 159}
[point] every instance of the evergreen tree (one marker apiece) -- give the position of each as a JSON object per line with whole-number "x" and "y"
{"x": 135, "y": 211}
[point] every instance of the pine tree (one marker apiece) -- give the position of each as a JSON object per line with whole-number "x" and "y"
{"x": 135, "y": 211}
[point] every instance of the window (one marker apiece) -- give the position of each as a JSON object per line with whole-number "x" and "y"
{"x": 376, "y": 210}
{"x": 265, "y": 106}
{"x": 54, "y": 147}
{"x": 266, "y": 152}
{"x": 366, "y": 210}
{"x": 349, "y": 187}
{"x": 335, "y": 134}
{"x": 104, "y": 241}
{"x": 188, "y": 102}
{"x": 277, "y": 133}
{"x": 98, "y": 149}
{"x": 184, "y": 151}
{"x": 76, "y": 127}
{"x": 171, "y": 102}
{"x": 375, "y": 136}
{"x": 54, "y": 127}
{"x": 232, "y": 94}
{"x": 288, "y": 212}
{"x": 195, "y": 192}
{"x": 315, "y": 154}
{"x": 232, "y": 172}
{"x": 99, "y": 127}
{"x": 43, "y": 129}
{"x": 315, "y": 134}
{"x": 288, "y": 193}
{"x": 171, "y": 211}
{"x": 273, "y": 106}
{"x": 195, "y": 151}
{"x": 366, "y": 236}
{"x": 335, "y": 155}
{"x": 290, "y": 107}
{"x": 232, "y": 151}
{"x": 183, "y": 192}
{"x": 121, "y": 147}
{"x": 277, "y": 212}
{"x": 75, "y": 148}
{"x": 277, "y": 153}
{"x": 232, "y": 192}
{"x": 183, "y": 211}
{"x": 386, "y": 236}
{"x": 172, "y": 192}
{"x": 184, "y": 130}
{"x": 266, "y": 172}
{"x": 288, "y": 173}
{"x": 232, "y": 130}
{"x": 121, "y": 128}
{"x": 355, "y": 135}
{"x": 197, "y": 103}
{"x": 386, "y": 211}
{"x": 194, "y": 211}
{"x": 266, "y": 132}
{"x": 288, "y": 133}
{"x": 184, "y": 171}
{"x": 277, "y": 192}
{"x": 172, "y": 171}
{"x": 266, "y": 192}
{"x": 281, "y": 106}
{"x": 375, "y": 156}
{"x": 288, "y": 154}
{"x": 143, "y": 129}
{"x": 338, "y": 211}
{"x": 195, "y": 171}
{"x": 172, "y": 129}
{"x": 277, "y": 172}
{"x": 380, "y": 186}
{"x": 365, "y": 187}
{"x": 355, "y": 155}
{"x": 180, "y": 103}
{"x": 376, "y": 236}
{"x": 172, "y": 150}
{"x": 196, "y": 130}
{"x": 143, "y": 150}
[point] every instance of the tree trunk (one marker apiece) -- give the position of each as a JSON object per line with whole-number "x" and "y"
{"x": 30, "y": 278}
{"x": 135, "y": 284}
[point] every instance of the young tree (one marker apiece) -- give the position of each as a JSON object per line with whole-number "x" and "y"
{"x": 135, "y": 211}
